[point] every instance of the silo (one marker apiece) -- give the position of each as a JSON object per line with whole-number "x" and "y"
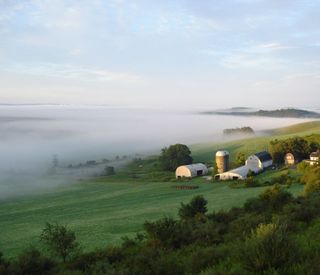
{"x": 222, "y": 161}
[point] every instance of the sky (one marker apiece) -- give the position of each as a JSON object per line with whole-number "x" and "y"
{"x": 168, "y": 53}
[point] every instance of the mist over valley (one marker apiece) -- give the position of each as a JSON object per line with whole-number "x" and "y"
{"x": 32, "y": 136}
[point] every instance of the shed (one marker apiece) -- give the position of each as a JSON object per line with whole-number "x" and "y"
{"x": 290, "y": 159}
{"x": 191, "y": 170}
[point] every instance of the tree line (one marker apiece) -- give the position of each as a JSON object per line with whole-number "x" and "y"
{"x": 298, "y": 146}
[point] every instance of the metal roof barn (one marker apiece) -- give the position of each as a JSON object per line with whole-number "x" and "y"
{"x": 191, "y": 170}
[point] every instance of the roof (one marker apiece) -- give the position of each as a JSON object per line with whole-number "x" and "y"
{"x": 263, "y": 156}
{"x": 291, "y": 155}
{"x": 222, "y": 153}
{"x": 243, "y": 170}
{"x": 315, "y": 154}
{"x": 196, "y": 166}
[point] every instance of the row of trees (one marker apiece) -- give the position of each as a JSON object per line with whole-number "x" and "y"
{"x": 299, "y": 147}
{"x": 274, "y": 233}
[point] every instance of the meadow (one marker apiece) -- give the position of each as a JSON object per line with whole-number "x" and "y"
{"x": 103, "y": 210}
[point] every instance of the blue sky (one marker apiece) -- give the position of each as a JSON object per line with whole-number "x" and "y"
{"x": 260, "y": 53}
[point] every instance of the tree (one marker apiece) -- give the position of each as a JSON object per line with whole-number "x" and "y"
{"x": 109, "y": 171}
{"x": 174, "y": 156}
{"x": 240, "y": 159}
{"x": 60, "y": 241}
{"x": 214, "y": 171}
{"x": 198, "y": 205}
{"x": 250, "y": 181}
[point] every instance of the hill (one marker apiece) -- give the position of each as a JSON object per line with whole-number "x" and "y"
{"x": 103, "y": 210}
{"x": 285, "y": 113}
{"x": 205, "y": 151}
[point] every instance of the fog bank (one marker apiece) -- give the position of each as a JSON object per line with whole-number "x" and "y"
{"x": 31, "y": 135}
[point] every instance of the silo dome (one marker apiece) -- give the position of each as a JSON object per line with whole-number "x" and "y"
{"x": 222, "y": 153}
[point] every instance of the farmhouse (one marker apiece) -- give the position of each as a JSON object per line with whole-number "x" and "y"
{"x": 290, "y": 159}
{"x": 191, "y": 171}
{"x": 315, "y": 158}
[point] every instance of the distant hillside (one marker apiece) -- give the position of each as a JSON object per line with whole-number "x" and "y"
{"x": 239, "y": 131}
{"x": 307, "y": 127}
{"x": 281, "y": 113}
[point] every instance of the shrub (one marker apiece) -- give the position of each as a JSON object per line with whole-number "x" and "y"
{"x": 165, "y": 232}
{"x": 31, "y": 262}
{"x": 198, "y": 205}
{"x": 268, "y": 248}
{"x": 276, "y": 197}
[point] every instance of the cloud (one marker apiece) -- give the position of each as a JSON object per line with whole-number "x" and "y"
{"x": 273, "y": 46}
{"x": 72, "y": 72}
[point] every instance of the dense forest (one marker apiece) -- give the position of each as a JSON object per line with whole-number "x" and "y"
{"x": 274, "y": 233}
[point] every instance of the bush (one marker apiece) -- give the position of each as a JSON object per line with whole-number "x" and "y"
{"x": 4, "y": 265}
{"x": 198, "y": 205}
{"x": 268, "y": 248}
{"x": 276, "y": 197}
{"x": 31, "y": 262}
{"x": 164, "y": 232}
{"x": 312, "y": 186}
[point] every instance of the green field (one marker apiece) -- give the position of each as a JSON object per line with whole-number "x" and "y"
{"x": 104, "y": 210}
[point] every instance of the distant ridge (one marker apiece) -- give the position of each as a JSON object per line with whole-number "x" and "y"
{"x": 279, "y": 113}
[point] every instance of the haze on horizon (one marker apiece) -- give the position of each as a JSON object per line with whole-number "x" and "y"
{"x": 262, "y": 53}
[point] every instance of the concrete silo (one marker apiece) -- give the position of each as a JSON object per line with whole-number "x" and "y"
{"x": 222, "y": 161}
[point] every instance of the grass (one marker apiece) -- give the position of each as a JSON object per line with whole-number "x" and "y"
{"x": 104, "y": 210}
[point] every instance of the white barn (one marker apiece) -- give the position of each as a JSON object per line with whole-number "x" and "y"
{"x": 191, "y": 170}
{"x": 239, "y": 173}
{"x": 262, "y": 160}
{"x": 255, "y": 163}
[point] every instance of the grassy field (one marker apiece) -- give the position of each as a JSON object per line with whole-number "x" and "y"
{"x": 104, "y": 210}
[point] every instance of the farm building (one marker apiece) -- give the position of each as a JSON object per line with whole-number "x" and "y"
{"x": 315, "y": 158}
{"x": 255, "y": 163}
{"x": 222, "y": 161}
{"x": 192, "y": 170}
{"x": 262, "y": 160}
{"x": 239, "y": 173}
{"x": 290, "y": 159}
